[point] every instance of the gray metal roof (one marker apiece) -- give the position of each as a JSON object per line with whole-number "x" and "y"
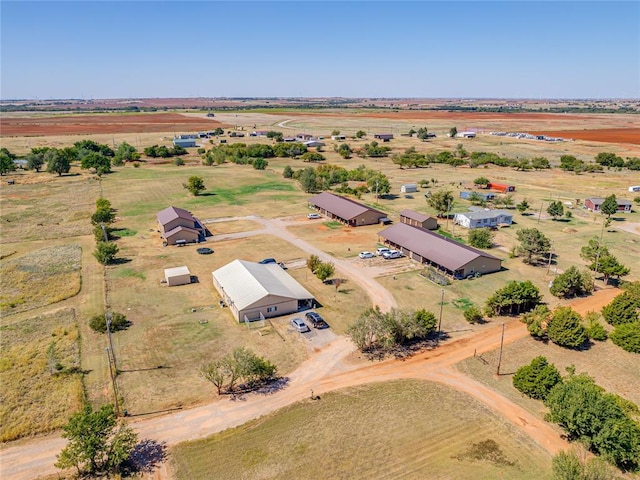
{"x": 413, "y": 215}
{"x": 176, "y": 271}
{"x": 248, "y": 282}
{"x": 341, "y": 206}
{"x": 481, "y": 214}
{"x": 440, "y": 250}
{"x": 171, "y": 213}
{"x": 599, "y": 201}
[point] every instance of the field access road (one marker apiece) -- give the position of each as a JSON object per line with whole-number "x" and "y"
{"x": 363, "y": 276}
{"x": 330, "y": 368}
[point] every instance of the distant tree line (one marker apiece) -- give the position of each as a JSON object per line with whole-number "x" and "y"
{"x": 323, "y": 177}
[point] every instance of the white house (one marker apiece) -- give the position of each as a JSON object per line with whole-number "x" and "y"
{"x": 483, "y": 218}
{"x": 255, "y": 291}
{"x": 409, "y": 188}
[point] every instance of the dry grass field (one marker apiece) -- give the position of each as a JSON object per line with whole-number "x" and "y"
{"x": 43, "y": 210}
{"x": 402, "y": 429}
{"x": 40, "y": 373}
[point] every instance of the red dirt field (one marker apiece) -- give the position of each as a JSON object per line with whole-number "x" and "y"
{"x": 610, "y": 135}
{"x": 96, "y": 124}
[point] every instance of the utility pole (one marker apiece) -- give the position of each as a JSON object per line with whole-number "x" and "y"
{"x": 595, "y": 271}
{"x": 113, "y": 384}
{"x": 500, "y": 354}
{"x": 448, "y": 210}
{"x": 540, "y": 212}
{"x": 550, "y": 256}
{"x": 440, "y": 320}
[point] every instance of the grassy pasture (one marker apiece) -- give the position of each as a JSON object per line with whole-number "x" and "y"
{"x": 40, "y": 278}
{"x": 358, "y": 433}
{"x": 613, "y": 368}
{"x": 35, "y": 400}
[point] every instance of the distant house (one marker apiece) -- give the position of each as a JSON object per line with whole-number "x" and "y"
{"x": 595, "y": 204}
{"x": 448, "y": 256}
{"x": 635, "y": 188}
{"x": 184, "y": 142}
{"x": 501, "y": 187}
{"x": 178, "y": 227}
{"x": 466, "y": 195}
{"x": 417, "y": 219}
{"x": 314, "y": 143}
{"x": 255, "y": 291}
{"x": 409, "y": 188}
{"x": 289, "y": 139}
{"x": 483, "y": 218}
{"x": 259, "y": 133}
{"x": 347, "y": 211}
{"x": 338, "y": 137}
{"x": 385, "y": 137}
{"x": 466, "y": 134}
{"x": 177, "y": 276}
{"x": 303, "y": 137}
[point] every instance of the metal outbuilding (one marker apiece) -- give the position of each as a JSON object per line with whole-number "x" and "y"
{"x": 177, "y": 276}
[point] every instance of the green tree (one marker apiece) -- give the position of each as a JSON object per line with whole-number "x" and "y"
{"x": 571, "y": 283}
{"x": 480, "y": 237}
{"x": 195, "y": 185}
{"x": 453, "y": 132}
{"x": 125, "y": 153}
{"x": 570, "y": 466}
{"x": 473, "y": 314}
{"x": 565, "y": 328}
{"x": 98, "y": 323}
{"x": 308, "y": 180}
{"x": 57, "y": 162}
{"x": 103, "y": 216}
{"x": 607, "y": 159}
{"x": 514, "y": 298}
{"x": 105, "y": 252}
{"x": 98, "y": 443}
{"x": 344, "y": 150}
{"x": 523, "y": 206}
{"x": 423, "y": 133}
{"x": 287, "y": 172}
{"x": 324, "y": 270}
{"x": 241, "y": 365}
{"x": 441, "y": 201}
{"x": 537, "y": 320}
{"x": 609, "y": 206}
{"x": 97, "y": 161}
{"x": 595, "y": 330}
{"x": 622, "y": 309}
{"x": 532, "y": 243}
{"x": 277, "y": 136}
{"x": 481, "y": 182}
{"x": 379, "y": 183}
{"x": 312, "y": 157}
{"x": 627, "y": 336}
{"x": 6, "y": 163}
{"x": 35, "y": 161}
{"x": 335, "y": 132}
{"x": 537, "y": 379}
{"x": 555, "y": 209}
{"x": 313, "y": 262}
{"x": 260, "y": 164}
{"x": 216, "y": 373}
{"x": 609, "y": 266}
{"x": 361, "y": 133}
{"x": 540, "y": 163}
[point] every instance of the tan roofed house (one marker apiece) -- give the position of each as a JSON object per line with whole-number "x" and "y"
{"x": 417, "y": 219}
{"x": 255, "y": 291}
{"x": 178, "y": 226}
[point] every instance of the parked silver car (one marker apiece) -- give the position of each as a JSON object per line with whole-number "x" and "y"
{"x": 299, "y": 325}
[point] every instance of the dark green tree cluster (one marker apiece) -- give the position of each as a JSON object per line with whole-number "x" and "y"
{"x": 195, "y": 185}
{"x": 563, "y": 326}
{"x": 481, "y": 237}
{"x": 323, "y": 177}
{"x": 98, "y": 443}
{"x": 533, "y": 244}
{"x": 125, "y": 153}
{"x": 482, "y": 182}
{"x": 571, "y": 283}
{"x": 623, "y": 313}
{"x": 383, "y": 333}
{"x": 162, "y": 151}
{"x": 571, "y": 466}
{"x": 374, "y": 150}
{"x": 537, "y": 379}
{"x": 599, "y": 257}
{"x": 597, "y": 419}
{"x": 275, "y": 135}
{"x": 514, "y": 298}
{"x": 555, "y": 209}
{"x": 312, "y": 157}
{"x": 104, "y": 215}
{"x": 608, "y": 159}
{"x": 410, "y": 159}
{"x": 98, "y": 323}
{"x": 240, "y": 366}
{"x": 344, "y": 150}
{"x": 6, "y": 161}
{"x": 441, "y": 201}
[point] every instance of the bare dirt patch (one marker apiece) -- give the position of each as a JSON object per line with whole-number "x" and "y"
{"x": 608, "y": 135}
{"x": 96, "y": 124}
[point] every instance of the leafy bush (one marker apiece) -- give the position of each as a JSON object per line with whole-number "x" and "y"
{"x": 98, "y": 323}
{"x": 622, "y": 309}
{"x": 571, "y": 283}
{"x": 537, "y": 379}
{"x": 565, "y": 328}
{"x": 627, "y": 336}
{"x": 473, "y": 314}
{"x": 595, "y": 330}
{"x": 514, "y": 298}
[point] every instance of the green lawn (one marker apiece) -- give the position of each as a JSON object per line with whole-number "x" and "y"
{"x": 401, "y": 429}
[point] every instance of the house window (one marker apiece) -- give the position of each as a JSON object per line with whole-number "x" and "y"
{"x": 272, "y": 309}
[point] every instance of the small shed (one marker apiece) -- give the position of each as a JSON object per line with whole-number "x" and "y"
{"x": 177, "y": 276}
{"x": 184, "y": 142}
{"x": 385, "y": 137}
{"x": 409, "y": 188}
{"x": 634, "y": 188}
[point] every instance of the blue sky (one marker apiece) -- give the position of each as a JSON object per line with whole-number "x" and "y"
{"x": 100, "y": 49}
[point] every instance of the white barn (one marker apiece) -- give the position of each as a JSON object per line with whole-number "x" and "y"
{"x": 177, "y": 276}
{"x": 255, "y": 291}
{"x": 483, "y": 218}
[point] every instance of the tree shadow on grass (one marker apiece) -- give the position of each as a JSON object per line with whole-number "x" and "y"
{"x": 120, "y": 261}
